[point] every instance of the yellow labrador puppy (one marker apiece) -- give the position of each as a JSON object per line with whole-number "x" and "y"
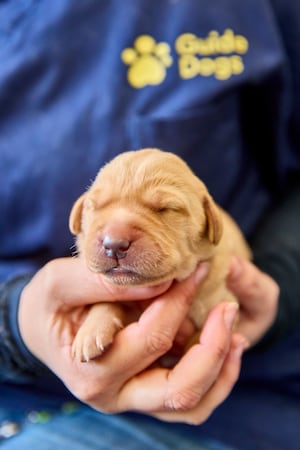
{"x": 147, "y": 219}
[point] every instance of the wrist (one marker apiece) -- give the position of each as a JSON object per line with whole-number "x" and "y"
{"x": 18, "y": 362}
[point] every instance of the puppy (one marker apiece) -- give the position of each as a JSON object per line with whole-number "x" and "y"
{"x": 147, "y": 219}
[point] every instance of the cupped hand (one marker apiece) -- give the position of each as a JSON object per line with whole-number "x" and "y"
{"x": 124, "y": 378}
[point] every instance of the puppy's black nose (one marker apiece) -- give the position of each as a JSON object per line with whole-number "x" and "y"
{"x": 115, "y": 248}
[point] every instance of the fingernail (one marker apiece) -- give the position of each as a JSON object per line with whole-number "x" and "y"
{"x": 229, "y": 314}
{"x": 201, "y": 272}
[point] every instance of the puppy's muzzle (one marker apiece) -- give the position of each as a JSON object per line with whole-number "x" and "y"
{"x": 115, "y": 248}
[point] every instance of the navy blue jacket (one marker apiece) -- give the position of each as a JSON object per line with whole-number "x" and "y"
{"x": 212, "y": 83}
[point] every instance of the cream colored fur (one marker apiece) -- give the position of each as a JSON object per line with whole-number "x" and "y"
{"x": 152, "y": 201}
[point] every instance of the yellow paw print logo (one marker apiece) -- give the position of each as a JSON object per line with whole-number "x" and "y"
{"x": 148, "y": 61}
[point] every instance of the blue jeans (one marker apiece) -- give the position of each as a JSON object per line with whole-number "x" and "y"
{"x": 87, "y": 429}
{"x": 262, "y": 413}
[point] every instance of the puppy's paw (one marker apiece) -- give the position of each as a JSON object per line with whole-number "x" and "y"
{"x": 97, "y": 332}
{"x": 89, "y": 344}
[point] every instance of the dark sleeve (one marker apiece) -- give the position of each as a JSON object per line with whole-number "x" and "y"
{"x": 276, "y": 247}
{"x": 17, "y": 364}
{"x": 276, "y": 244}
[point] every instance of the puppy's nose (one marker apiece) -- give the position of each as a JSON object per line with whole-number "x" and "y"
{"x": 115, "y": 248}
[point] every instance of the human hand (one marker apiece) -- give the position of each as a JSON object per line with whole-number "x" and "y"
{"x": 258, "y": 297}
{"x": 123, "y": 378}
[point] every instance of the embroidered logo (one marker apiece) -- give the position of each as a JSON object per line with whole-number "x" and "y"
{"x": 217, "y": 55}
{"x": 147, "y": 61}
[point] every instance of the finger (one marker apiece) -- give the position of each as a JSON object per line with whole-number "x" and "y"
{"x": 141, "y": 343}
{"x": 258, "y": 297}
{"x": 218, "y": 393}
{"x": 250, "y": 284}
{"x": 182, "y": 387}
{"x": 81, "y": 286}
{"x": 186, "y": 331}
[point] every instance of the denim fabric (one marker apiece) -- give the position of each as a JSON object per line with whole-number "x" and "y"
{"x": 262, "y": 413}
{"x": 85, "y": 428}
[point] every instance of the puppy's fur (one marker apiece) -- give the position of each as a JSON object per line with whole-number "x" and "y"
{"x": 147, "y": 219}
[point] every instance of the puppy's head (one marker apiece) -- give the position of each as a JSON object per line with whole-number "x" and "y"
{"x": 146, "y": 219}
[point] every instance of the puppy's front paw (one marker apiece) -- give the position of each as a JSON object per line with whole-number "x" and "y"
{"x": 97, "y": 332}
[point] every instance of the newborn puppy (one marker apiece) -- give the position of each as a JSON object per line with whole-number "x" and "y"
{"x": 147, "y": 219}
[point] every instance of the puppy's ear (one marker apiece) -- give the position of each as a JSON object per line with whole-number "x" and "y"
{"x": 214, "y": 224}
{"x": 75, "y": 215}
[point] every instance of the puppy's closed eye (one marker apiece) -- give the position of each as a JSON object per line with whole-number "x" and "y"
{"x": 167, "y": 207}
{"x": 162, "y": 202}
